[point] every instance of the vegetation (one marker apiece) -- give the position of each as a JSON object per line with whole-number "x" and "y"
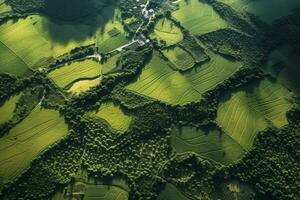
{"x": 104, "y": 99}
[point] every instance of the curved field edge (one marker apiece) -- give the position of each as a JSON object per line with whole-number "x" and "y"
{"x": 41, "y": 129}
{"x": 252, "y": 110}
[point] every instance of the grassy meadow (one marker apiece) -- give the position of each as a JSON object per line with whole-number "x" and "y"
{"x": 181, "y": 59}
{"x": 114, "y": 116}
{"x": 253, "y": 110}
{"x": 7, "y": 109}
{"x": 198, "y": 17}
{"x": 167, "y": 31}
{"x": 28, "y": 139}
{"x": 212, "y": 144}
{"x": 159, "y": 81}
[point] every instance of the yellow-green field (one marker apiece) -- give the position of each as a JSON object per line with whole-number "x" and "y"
{"x": 28, "y": 139}
{"x": 4, "y": 8}
{"x": 7, "y": 110}
{"x": 114, "y": 116}
{"x": 67, "y": 74}
{"x": 106, "y": 41}
{"x": 159, "y": 81}
{"x": 182, "y": 59}
{"x": 212, "y": 145}
{"x": 248, "y": 112}
{"x": 84, "y": 85}
{"x": 81, "y": 70}
{"x": 198, "y": 17}
{"x": 167, "y": 31}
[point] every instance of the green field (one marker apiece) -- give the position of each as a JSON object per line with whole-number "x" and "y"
{"x": 4, "y": 8}
{"x": 167, "y": 31}
{"x": 212, "y": 144}
{"x": 182, "y": 59}
{"x": 10, "y": 62}
{"x": 171, "y": 193}
{"x": 84, "y": 85}
{"x": 33, "y": 44}
{"x": 105, "y": 192}
{"x": 263, "y": 9}
{"x": 114, "y": 116}
{"x": 67, "y": 74}
{"x": 27, "y": 140}
{"x": 198, "y": 17}
{"x": 248, "y": 112}
{"x": 159, "y": 81}
{"x": 112, "y": 35}
{"x": 7, "y": 110}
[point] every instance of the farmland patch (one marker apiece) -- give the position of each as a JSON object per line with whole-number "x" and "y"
{"x": 249, "y": 111}
{"x": 28, "y": 139}
{"x": 182, "y": 59}
{"x": 198, "y": 17}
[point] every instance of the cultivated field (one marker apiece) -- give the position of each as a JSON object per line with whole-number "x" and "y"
{"x": 171, "y": 193}
{"x": 114, "y": 116}
{"x": 198, "y": 17}
{"x": 248, "y": 112}
{"x": 67, "y": 74}
{"x": 105, "y": 192}
{"x": 111, "y": 35}
{"x": 182, "y": 59}
{"x": 159, "y": 81}
{"x": 212, "y": 145}
{"x": 167, "y": 31}
{"x": 263, "y": 9}
{"x": 30, "y": 40}
{"x": 10, "y": 62}
{"x": 7, "y": 110}
{"x": 27, "y": 140}
{"x": 84, "y": 85}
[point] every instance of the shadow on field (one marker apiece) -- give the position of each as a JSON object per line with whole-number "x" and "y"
{"x": 80, "y": 18}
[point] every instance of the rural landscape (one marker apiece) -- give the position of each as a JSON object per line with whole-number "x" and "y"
{"x": 150, "y": 99}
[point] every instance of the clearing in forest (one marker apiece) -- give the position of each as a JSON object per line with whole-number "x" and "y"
{"x": 198, "y": 17}
{"x": 84, "y": 85}
{"x": 212, "y": 144}
{"x": 159, "y": 81}
{"x": 114, "y": 116}
{"x": 165, "y": 30}
{"x": 253, "y": 110}
{"x": 181, "y": 58}
{"x": 28, "y": 139}
{"x": 7, "y": 109}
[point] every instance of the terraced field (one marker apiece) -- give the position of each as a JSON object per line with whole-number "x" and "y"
{"x": 198, "y": 17}
{"x": 171, "y": 193}
{"x": 212, "y": 145}
{"x": 248, "y": 112}
{"x": 27, "y": 140}
{"x": 167, "y": 31}
{"x": 114, "y": 116}
{"x": 263, "y": 9}
{"x": 33, "y": 44}
{"x": 159, "y": 81}
{"x": 182, "y": 59}
{"x": 7, "y": 110}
